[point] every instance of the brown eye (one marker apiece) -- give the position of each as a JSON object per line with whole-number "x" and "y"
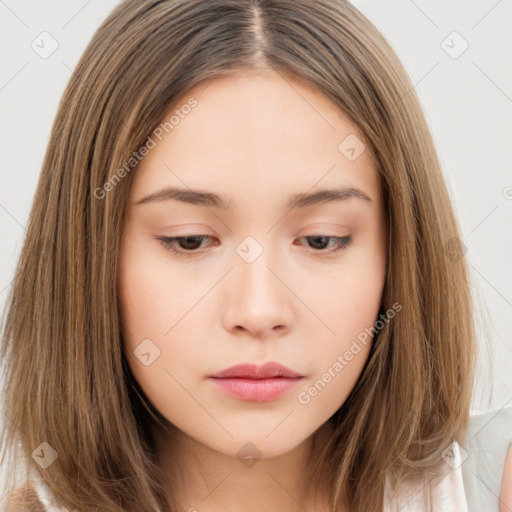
{"x": 320, "y": 242}
{"x": 182, "y": 245}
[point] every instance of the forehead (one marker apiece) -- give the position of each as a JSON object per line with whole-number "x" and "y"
{"x": 256, "y": 134}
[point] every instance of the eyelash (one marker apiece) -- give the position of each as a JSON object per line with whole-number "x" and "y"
{"x": 341, "y": 243}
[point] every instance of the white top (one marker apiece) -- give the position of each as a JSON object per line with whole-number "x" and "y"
{"x": 474, "y": 469}
{"x": 472, "y": 482}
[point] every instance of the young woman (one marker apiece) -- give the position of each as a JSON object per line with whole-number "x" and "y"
{"x": 242, "y": 285}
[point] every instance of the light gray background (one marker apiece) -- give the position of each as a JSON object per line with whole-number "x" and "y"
{"x": 467, "y": 101}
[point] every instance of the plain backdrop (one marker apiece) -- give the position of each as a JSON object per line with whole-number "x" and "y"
{"x": 458, "y": 55}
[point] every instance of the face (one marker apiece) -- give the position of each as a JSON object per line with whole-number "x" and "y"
{"x": 260, "y": 269}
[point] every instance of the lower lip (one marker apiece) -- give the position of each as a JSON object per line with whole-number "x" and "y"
{"x": 256, "y": 390}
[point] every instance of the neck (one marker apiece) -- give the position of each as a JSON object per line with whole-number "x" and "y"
{"x": 203, "y": 479}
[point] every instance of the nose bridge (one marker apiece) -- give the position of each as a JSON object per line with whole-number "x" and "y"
{"x": 258, "y": 284}
{"x": 258, "y": 298}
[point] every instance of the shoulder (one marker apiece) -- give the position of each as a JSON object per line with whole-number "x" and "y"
{"x": 24, "y": 499}
{"x": 474, "y": 473}
{"x": 32, "y": 496}
{"x": 484, "y": 458}
{"x": 497, "y": 421}
{"x": 444, "y": 490}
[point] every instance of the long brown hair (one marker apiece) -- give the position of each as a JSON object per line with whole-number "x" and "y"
{"x": 67, "y": 382}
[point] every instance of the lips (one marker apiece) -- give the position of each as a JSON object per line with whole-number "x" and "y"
{"x": 253, "y": 383}
{"x": 252, "y": 371}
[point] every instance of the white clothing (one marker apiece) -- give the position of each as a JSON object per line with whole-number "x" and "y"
{"x": 472, "y": 482}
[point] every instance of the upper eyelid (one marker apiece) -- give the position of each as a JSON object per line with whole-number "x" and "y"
{"x": 346, "y": 239}
{"x": 182, "y": 237}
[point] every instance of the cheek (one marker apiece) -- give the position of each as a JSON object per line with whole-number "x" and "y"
{"x": 163, "y": 303}
{"x": 348, "y": 303}
{"x": 349, "y": 298}
{"x": 157, "y": 340}
{"x": 338, "y": 359}
{"x": 152, "y": 298}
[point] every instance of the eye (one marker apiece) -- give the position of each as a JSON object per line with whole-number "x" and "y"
{"x": 320, "y": 241}
{"x": 189, "y": 245}
{"x": 183, "y": 245}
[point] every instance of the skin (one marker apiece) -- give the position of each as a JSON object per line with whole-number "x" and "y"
{"x": 255, "y": 138}
{"x": 506, "y": 486}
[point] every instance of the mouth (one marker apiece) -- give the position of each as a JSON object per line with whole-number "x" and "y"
{"x": 253, "y": 383}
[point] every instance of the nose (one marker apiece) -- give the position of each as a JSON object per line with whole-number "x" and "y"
{"x": 258, "y": 299}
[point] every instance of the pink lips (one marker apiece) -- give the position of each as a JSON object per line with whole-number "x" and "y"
{"x": 256, "y": 383}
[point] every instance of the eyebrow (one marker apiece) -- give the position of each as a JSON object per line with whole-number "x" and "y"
{"x": 209, "y": 199}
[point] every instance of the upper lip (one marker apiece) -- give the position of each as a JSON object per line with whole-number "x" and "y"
{"x": 252, "y": 371}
